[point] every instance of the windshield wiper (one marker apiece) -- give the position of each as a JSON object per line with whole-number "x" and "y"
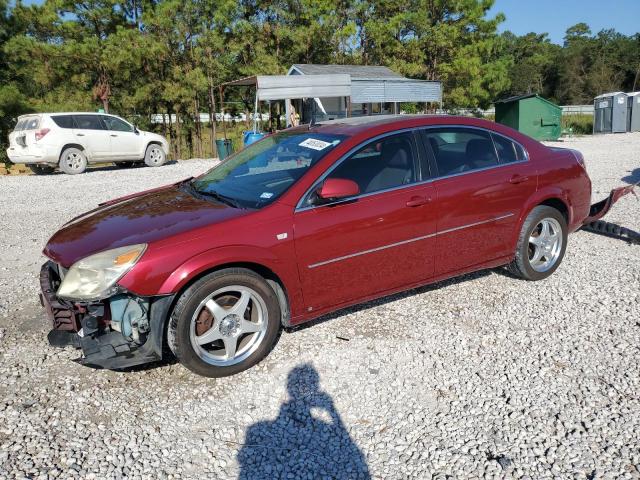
{"x": 221, "y": 198}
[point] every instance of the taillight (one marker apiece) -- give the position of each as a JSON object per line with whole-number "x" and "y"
{"x": 41, "y": 133}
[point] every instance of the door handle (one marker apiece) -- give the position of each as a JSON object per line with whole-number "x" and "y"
{"x": 114, "y": 135}
{"x": 417, "y": 201}
{"x": 518, "y": 179}
{"x": 80, "y": 134}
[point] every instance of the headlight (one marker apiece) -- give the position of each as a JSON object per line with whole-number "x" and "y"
{"x": 94, "y": 277}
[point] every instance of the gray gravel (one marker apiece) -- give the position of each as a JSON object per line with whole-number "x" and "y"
{"x": 483, "y": 375}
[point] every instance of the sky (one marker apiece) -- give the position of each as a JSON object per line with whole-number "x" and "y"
{"x": 555, "y": 16}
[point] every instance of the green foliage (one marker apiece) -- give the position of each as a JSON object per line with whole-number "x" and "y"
{"x": 137, "y": 58}
{"x": 579, "y": 124}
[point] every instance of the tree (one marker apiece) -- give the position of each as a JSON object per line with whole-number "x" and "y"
{"x": 450, "y": 40}
{"x": 533, "y": 59}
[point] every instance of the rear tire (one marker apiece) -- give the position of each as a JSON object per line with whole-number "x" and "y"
{"x": 41, "y": 169}
{"x": 541, "y": 244}
{"x": 213, "y": 333}
{"x": 154, "y": 156}
{"x": 73, "y": 161}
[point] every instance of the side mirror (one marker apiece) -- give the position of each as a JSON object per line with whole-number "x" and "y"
{"x": 338, "y": 188}
{"x": 135, "y": 130}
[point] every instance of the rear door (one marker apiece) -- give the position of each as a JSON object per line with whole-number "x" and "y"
{"x": 479, "y": 196}
{"x": 125, "y": 142}
{"x": 380, "y": 240}
{"x": 23, "y": 136}
{"x": 90, "y": 132}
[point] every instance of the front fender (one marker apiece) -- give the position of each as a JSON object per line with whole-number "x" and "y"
{"x": 285, "y": 270}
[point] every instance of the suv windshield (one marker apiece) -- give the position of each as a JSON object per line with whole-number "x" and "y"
{"x": 259, "y": 174}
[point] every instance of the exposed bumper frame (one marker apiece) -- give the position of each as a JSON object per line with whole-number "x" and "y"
{"x": 101, "y": 347}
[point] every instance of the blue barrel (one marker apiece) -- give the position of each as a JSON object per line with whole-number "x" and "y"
{"x": 250, "y": 137}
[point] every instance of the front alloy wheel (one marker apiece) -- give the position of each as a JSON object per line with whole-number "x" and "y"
{"x": 224, "y": 323}
{"x": 229, "y": 325}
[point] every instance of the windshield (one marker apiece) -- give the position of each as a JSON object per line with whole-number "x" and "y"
{"x": 259, "y": 174}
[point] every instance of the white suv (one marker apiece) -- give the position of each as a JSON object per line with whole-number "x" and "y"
{"x": 73, "y": 140}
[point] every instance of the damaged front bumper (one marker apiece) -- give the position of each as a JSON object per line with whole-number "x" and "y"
{"x": 114, "y": 333}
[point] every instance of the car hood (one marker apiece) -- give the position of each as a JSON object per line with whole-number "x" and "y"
{"x": 149, "y": 217}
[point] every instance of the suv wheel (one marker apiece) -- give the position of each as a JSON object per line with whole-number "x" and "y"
{"x": 224, "y": 323}
{"x": 73, "y": 161}
{"x": 541, "y": 244}
{"x": 154, "y": 156}
{"x": 41, "y": 169}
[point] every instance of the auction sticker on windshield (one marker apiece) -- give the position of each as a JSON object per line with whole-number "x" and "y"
{"x": 315, "y": 144}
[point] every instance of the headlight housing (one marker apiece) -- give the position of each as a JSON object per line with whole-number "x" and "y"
{"x": 95, "y": 276}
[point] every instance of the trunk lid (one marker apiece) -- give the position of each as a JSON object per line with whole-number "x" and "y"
{"x": 23, "y": 135}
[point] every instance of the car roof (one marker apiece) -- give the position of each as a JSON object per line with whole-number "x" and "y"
{"x": 355, "y": 125}
{"x": 65, "y": 113}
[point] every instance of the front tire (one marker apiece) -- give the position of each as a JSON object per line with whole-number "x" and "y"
{"x": 541, "y": 244}
{"x": 73, "y": 161}
{"x": 224, "y": 323}
{"x": 154, "y": 156}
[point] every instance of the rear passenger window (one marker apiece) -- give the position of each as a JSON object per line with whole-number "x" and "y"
{"x": 63, "y": 121}
{"x": 508, "y": 151}
{"x": 20, "y": 125}
{"x": 459, "y": 150}
{"x": 380, "y": 165}
{"x": 88, "y": 122}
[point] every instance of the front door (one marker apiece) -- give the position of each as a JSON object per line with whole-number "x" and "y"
{"x": 480, "y": 195}
{"x": 125, "y": 142}
{"x": 91, "y": 133}
{"x": 378, "y": 241}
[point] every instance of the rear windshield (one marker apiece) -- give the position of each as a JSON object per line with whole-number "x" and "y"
{"x": 259, "y": 174}
{"x": 29, "y": 123}
{"x": 63, "y": 121}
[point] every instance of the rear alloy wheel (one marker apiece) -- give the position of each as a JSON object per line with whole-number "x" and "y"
{"x": 41, "y": 169}
{"x": 73, "y": 161}
{"x": 224, "y": 323}
{"x": 154, "y": 156}
{"x": 541, "y": 244}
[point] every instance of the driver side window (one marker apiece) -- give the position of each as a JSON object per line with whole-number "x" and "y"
{"x": 116, "y": 124}
{"x": 458, "y": 150}
{"x": 380, "y": 165}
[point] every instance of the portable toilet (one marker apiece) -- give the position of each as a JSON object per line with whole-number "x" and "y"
{"x": 532, "y": 115}
{"x": 633, "y": 112}
{"x": 610, "y": 113}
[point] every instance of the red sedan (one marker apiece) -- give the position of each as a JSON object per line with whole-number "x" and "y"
{"x": 304, "y": 222}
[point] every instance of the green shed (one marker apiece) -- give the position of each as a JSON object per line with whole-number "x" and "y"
{"x": 532, "y": 115}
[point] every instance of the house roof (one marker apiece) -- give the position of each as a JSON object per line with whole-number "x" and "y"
{"x": 356, "y": 71}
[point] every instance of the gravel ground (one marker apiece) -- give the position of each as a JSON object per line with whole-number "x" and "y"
{"x": 482, "y": 375}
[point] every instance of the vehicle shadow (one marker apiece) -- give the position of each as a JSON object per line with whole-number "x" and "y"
{"x": 633, "y": 177}
{"x": 307, "y": 439}
{"x": 110, "y": 167}
{"x": 401, "y": 295}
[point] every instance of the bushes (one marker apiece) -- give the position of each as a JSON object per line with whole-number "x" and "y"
{"x": 579, "y": 123}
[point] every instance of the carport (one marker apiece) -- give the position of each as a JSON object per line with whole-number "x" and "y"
{"x": 285, "y": 87}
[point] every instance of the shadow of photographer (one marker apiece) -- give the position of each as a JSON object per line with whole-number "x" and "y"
{"x": 306, "y": 440}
